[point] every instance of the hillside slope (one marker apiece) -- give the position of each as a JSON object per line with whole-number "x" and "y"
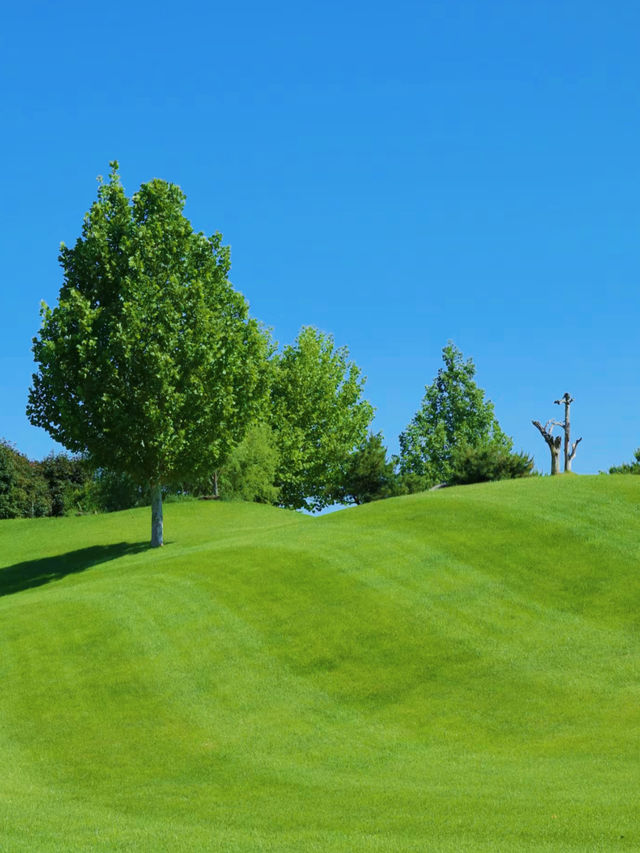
{"x": 450, "y": 671}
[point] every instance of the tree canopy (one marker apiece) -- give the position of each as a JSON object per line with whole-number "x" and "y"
{"x": 453, "y": 412}
{"x": 318, "y": 417}
{"x": 149, "y": 362}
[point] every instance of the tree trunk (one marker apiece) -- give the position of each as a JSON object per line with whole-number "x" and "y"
{"x": 553, "y": 443}
{"x": 215, "y": 484}
{"x": 555, "y": 455}
{"x": 156, "y": 516}
{"x": 569, "y": 449}
{"x": 567, "y": 434}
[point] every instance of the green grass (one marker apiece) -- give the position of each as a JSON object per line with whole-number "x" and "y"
{"x": 452, "y": 671}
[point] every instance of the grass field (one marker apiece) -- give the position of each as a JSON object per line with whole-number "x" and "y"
{"x": 452, "y": 671}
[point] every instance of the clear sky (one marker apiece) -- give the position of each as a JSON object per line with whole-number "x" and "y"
{"x": 396, "y": 174}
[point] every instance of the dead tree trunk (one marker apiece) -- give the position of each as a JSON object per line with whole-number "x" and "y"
{"x": 553, "y": 442}
{"x": 569, "y": 449}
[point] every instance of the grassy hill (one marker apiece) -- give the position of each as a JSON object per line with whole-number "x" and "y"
{"x": 452, "y": 671}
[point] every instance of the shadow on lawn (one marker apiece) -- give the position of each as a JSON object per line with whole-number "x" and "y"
{"x": 38, "y": 572}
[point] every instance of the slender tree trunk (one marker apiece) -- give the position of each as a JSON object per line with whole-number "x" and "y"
{"x": 156, "y": 516}
{"x": 569, "y": 449}
{"x": 215, "y": 484}
{"x": 567, "y": 435}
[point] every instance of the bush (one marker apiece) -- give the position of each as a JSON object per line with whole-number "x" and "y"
{"x": 111, "y": 491}
{"x": 628, "y": 467}
{"x": 409, "y": 483}
{"x": 486, "y": 462}
{"x": 23, "y": 489}
{"x": 69, "y": 480}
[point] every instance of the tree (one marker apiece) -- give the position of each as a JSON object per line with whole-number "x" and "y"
{"x": 149, "y": 362}
{"x": 553, "y": 443}
{"x": 453, "y": 411}
{"x": 569, "y": 449}
{"x": 368, "y": 476}
{"x": 249, "y": 472}
{"x": 23, "y": 489}
{"x": 318, "y": 418}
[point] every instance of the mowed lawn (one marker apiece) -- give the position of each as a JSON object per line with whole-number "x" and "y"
{"x": 452, "y": 671}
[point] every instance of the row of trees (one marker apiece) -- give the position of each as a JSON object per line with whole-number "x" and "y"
{"x": 304, "y": 451}
{"x": 151, "y": 367}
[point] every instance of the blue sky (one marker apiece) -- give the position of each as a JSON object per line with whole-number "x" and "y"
{"x": 397, "y": 175}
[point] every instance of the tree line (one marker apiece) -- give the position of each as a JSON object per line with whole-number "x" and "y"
{"x": 309, "y": 449}
{"x": 152, "y": 373}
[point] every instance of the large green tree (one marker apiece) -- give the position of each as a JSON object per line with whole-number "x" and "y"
{"x": 453, "y": 412}
{"x": 318, "y": 417}
{"x": 149, "y": 362}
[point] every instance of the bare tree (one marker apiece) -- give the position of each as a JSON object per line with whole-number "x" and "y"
{"x": 569, "y": 449}
{"x": 553, "y": 441}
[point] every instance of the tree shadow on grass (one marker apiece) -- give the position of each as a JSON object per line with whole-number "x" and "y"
{"x": 34, "y": 573}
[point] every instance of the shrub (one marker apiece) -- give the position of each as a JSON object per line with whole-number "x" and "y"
{"x": 23, "y": 489}
{"x": 485, "y": 462}
{"x": 68, "y": 479}
{"x": 628, "y": 467}
{"x": 111, "y": 491}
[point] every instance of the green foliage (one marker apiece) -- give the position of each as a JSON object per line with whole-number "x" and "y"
{"x": 368, "y": 476}
{"x": 629, "y": 467}
{"x": 250, "y": 470}
{"x": 23, "y": 489}
{"x": 112, "y": 491}
{"x": 318, "y": 417}
{"x": 408, "y": 483}
{"x": 69, "y": 480}
{"x": 453, "y": 411}
{"x": 485, "y": 462}
{"x": 149, "y": 361}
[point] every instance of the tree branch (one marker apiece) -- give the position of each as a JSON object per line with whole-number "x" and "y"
{"x": 552, "y": 441}
{"x": 574, "y": 447}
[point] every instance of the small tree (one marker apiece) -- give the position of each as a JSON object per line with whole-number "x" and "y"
{"x": 318, "y": 418}
{"x": 453, "y": 412}
{"x": 368, "y": 476}
{"x": 149, "y": 362}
